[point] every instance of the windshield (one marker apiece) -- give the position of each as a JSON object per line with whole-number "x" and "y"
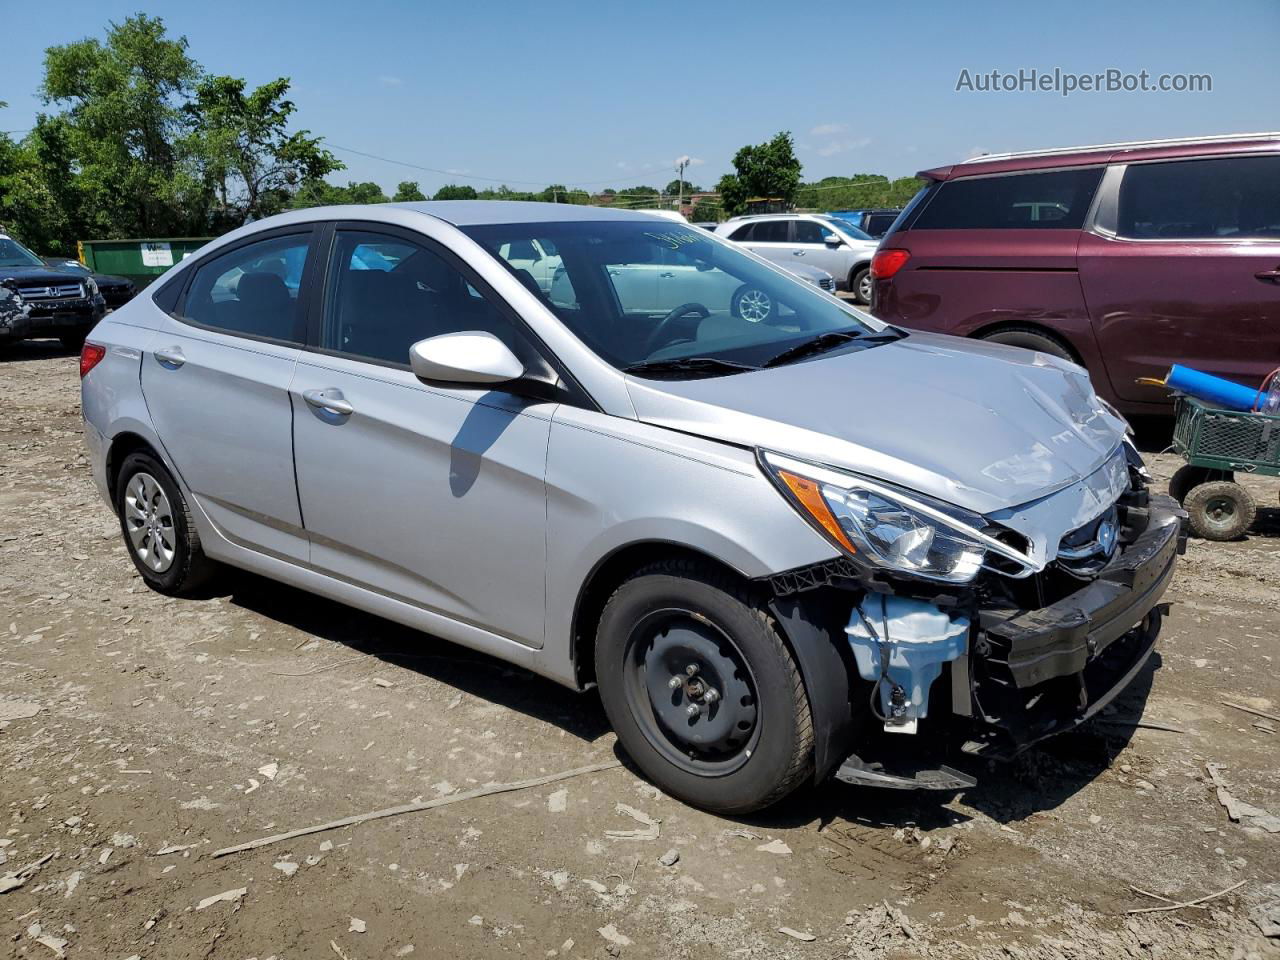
{"x": 848, "y": 229}
{"x": 14, "y": 254}
{"x": 647, "y": 292}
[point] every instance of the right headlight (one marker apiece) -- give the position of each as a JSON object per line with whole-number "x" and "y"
{"x": 883, "y": 526}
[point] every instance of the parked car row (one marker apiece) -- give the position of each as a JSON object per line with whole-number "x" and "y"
{"x": 53, "y": 297}
{"x": 1125, "y": 258}
{"x": 822, "y": 241}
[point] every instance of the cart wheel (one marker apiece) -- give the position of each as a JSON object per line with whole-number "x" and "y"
{"x": 1188, "y": 476}
{"x": 1220, "y": 510}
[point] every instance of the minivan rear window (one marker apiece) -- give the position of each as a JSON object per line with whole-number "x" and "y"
{"x": 1054, "y": 200}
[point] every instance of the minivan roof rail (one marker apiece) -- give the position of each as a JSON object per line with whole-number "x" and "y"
{"x": 1125, "y": 144}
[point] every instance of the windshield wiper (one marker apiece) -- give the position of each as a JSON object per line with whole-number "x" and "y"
{"x": 707, "y": 365}
{"x": 827, "y": 341}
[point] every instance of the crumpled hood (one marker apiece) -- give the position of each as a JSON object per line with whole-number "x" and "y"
{"x": 979, "y": 425}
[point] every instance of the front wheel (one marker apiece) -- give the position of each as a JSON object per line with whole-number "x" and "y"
{"x": 702, "y": 690}
{"x": 751, "y": 304}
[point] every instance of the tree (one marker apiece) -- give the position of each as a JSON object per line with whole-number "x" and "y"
{"x": 453, "y": 191}
{"x": 705, "y": 210}
{"x": 638, "y": 192}
{"x": 766, "y": 170}
{"x": 677, "y": 187}
{"x": 123, "y": 113}
{"x": 242, "y": 152}
{"x": 408, "y": 190}
{"x": 317, "y": 193}
{"x": 556, "y": 193}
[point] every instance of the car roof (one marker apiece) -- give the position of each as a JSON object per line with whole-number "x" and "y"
{"x": 1127, "y": 152}
{"x": 466, "y": 213}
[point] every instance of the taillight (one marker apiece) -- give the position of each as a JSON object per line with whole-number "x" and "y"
{"x": 90, "y": 355}
{"x": 888, "y": 262}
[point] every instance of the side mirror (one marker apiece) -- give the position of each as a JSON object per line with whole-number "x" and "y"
{"x": 470, "y": 357}
{"x": 832, "y": 240}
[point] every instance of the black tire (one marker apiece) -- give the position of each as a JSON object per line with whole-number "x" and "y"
{"x": 189, "y": 567}
{"x": 860, "y": 278}
{"x": 1030, "y": 339}
{"x": 1186, "y": 477}
{"x": 752, "y": 304}
{"x": 674, "y": 602}
{"x": 1220, "y": 510}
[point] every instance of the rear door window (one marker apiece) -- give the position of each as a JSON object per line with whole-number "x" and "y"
{"x": 252, "y": 291}
{"x": 1224, "y": 197}
{"x": 1055, "y": 199}
{"x": 770, "y": 231}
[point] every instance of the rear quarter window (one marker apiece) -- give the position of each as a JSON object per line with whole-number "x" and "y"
{"x": 1055, "y": 199}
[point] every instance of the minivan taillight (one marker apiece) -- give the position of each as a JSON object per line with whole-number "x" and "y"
{"x": 888, "y": 262}
{"x": 90, "y": 355}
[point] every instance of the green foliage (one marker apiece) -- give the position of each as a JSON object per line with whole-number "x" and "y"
{"x": 705, "y": 210}
{"x": 639, "y": 192}
{"x": 733, "y": 194}
{"x": 768, "y": 170}
{"x": 452, "y": 191}
{"x": 241, "y": 152}
{"x": 676, "y": 187}
{"x": 319, "y": 193}
{"x": 141, "y": 142}
{"x": 408, "y": 190}
{"x": 857, "y": 192}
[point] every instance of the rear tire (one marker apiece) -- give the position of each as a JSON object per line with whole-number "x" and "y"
{"x": 1030, "y": 339}
{"x": 860, "y": 285}
{"x": 1221, "y": 510}
{"x": 740, "y": 750}
{"x": 158, "y": 531}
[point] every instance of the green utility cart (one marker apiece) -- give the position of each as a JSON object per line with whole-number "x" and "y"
{"x": 1217, "y": 444}
{"x": 141, "y": 260}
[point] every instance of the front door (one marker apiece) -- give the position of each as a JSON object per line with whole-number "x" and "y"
{"x": 429, "y": 494}
{"x": 1192, "y": 275}
{"x": 216, "y": 384}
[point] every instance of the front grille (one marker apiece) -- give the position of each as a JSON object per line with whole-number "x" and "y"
{"x": 827, "y": 283}
{"x": 61, "y": 291}
{"x": 1087, "y": 549}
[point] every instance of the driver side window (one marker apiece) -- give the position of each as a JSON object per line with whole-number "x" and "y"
{"x": 384, "y": 294}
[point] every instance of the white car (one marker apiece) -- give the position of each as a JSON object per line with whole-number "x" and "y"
{"x": 814, "y": 239}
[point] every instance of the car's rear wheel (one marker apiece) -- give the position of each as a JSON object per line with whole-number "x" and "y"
{"x": 1030, "y": 339}
{"x": 702, "y": 690}
{"x": 158, "y": 530}
{"x": 861, "y": 285}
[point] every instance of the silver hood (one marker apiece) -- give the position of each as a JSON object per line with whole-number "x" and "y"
{"x": 982, "y": 426}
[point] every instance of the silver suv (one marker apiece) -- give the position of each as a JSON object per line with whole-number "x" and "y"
{"x": 780, "y": 545}
{"x": 829, "y": 243}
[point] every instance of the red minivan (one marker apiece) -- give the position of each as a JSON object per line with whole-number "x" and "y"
{"x": 1125, "y": 258}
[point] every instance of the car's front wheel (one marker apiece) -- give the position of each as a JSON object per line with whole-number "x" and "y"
{"x": 158, "y": 531}
{"x": 702, "y": 690}
{"x": 751, "y": 304}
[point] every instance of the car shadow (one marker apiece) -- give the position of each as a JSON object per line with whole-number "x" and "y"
{"x": 1041, "y": 779}
{"x": 468, "y": 671}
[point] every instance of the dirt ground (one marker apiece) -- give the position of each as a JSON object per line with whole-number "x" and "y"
{"x": 145, "y": 733}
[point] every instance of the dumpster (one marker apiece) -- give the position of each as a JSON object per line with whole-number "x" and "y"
{"x": 141, "y": 260}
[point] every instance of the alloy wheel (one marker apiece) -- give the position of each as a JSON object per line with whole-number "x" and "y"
{"x": 148, "y": 518}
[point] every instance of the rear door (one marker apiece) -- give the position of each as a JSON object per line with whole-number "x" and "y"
{"x": 216, "y": 379}
{"x": 770, "y": 239}
{"x": 1188, "y": 271}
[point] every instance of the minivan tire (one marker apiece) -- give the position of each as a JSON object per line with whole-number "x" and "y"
{"x": 188, "y": 568}
{"x": 685, "y": 610}
{"x": 1031, "y": 339}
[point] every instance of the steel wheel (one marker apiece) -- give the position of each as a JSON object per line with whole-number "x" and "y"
{"x": 149, "y": 522}
{"x": 692, "y": 692}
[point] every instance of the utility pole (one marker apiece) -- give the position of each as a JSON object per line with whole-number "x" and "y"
{"x": 680, "y": 165}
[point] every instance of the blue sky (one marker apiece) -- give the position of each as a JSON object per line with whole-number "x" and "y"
{"x": 610, "y": 94}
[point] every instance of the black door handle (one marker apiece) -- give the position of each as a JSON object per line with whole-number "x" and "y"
{"x": 1269, "y": 276}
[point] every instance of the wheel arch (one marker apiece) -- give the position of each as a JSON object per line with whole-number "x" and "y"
{"x": 811, "y": 628}
{"x": 1031, "y": 326}
{"x": 123, "y": 444}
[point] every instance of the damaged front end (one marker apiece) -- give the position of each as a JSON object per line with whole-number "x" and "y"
{"x": 966, "y": 636}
